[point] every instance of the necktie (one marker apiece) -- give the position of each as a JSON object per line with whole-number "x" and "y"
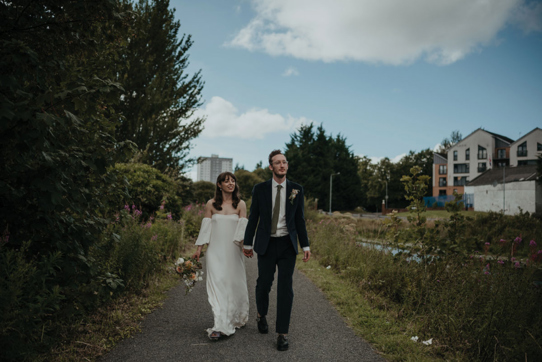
{"x": 276, "y": 211}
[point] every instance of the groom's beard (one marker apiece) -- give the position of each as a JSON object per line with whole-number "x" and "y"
{"x": 280, "y": 177}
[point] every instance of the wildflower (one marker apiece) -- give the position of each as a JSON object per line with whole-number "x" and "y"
{"x": 126, "y": 207}
{"x": 502, "y": 241}
{"x": 328, "y": 267}
{"x": 487, "y": 243}
{"x": 428, "y": 342}
{"x": 151, "y": 218}
{"x": 539, "y": 252}
{"x": 532, "y": 243}
{"x": 133, "y": 206}
{"x": 513, "y": 259}
{"x": 517, "y": 265}
{"x": 517, "y": 240}
{"x": 414, "y": 339}
{"x": 148, "y": 225}
{"x": 162, "y": 207}
{"x": 501, "y": 262}
{"x": 154, "y": 237}
{"x": 169, "y": 217}
{"x": 487, "y": 272}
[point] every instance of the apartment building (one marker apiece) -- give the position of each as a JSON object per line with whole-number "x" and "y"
{"x": 210, "y": 167}
{"x": 525, "y": 150}
{"x": 479, "y": 151}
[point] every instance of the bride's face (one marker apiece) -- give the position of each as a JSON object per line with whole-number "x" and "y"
{"x": 228, "y": 185}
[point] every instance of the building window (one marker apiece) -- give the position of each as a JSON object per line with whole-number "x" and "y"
{"x": 538, "y": 146}
{"x": 501, "y": 154}
{"x": 526, "y": 162}
{"x": 442, "y": 169}
{"x": 482, "y": 153}
{"x": 467, "y": 154}
{"x": 442, "y": 182}
{"x": 522, "y": 149}
{"x": 442, "y": 192}
{"x": 482, "y": 166}
{"x": 455, "y": 155}
{"x": 461, "y": 181}
{"x": 461, "y": 168}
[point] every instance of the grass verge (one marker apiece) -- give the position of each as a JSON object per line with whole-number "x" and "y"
{"x": 99, "y": 332}
{"x": 370, "y": 316}
{"x": 442, "y": 214}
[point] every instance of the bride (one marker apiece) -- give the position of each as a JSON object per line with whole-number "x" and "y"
{"x": 223, "y": 229}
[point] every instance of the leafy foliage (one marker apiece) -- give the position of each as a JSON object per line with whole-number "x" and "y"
{"x": 246, "y": 181}
{"x": 203, "y": 191}
{"x": 148, "y": 188}
{"x": 314, "y": 156}
{"x": 159, "y": 96}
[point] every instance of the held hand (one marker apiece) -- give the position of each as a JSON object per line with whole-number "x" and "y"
{"x": 196, "y": 255}
{"x": 248, "y": 252}
{"x": 306, "y": 255}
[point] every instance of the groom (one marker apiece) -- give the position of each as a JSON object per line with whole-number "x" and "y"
{"x": 278, "y": 204}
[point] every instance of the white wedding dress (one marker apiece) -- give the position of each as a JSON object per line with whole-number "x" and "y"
{"x": 226, "y": 277}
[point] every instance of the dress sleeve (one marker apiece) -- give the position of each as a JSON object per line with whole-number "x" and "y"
{"x": 239, "y": 235}
{"x": 204, "y": 232}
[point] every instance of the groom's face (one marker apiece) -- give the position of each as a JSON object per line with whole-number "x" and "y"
{"x": 279, "y": 166}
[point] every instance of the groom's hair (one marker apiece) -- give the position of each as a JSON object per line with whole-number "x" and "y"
{"x": 273, "y": 154}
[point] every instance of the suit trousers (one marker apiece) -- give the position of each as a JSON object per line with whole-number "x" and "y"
{"x": 280, "y": 253}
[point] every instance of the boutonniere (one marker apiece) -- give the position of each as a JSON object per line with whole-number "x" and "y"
{"x": 293, "y": 195}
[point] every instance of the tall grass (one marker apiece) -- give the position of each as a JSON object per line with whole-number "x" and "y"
{"x": 484, "y": 309}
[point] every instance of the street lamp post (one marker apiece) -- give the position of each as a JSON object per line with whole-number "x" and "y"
{"x": 331, "y": 188}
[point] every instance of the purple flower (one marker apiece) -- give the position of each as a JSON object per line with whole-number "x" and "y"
{"x": 501, "y": 262}
{"x": 487, "y": 243}
{"x": 532, "y": 243}
{"x": 169, "y": 217}
{"x": 133, "y": 206}
{"x": 151, "y": 218}
{"x": 513, "y": 259}
{"x": 154, "y": 237}
{"x": 517, "y": 240}
{"x": 539, "y": 252}
{"x": 486, "y": 272}
{"x": 126, "y": 207}
{"x": 487, "y": 266}
{"x": 517, "y": 265}
{"x": 148, "y": 225}
{"x": 162, "y": 207}
{"x": 503, "y": 241}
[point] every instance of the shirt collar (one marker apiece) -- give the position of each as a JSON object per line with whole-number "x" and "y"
{"x": 275, "y": 183}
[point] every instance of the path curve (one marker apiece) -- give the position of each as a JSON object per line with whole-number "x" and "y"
{"x": 176, "y": 331}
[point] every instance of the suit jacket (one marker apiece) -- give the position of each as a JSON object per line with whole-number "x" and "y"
{"x": 261, "y": 210}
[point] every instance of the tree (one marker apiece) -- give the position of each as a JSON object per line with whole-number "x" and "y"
{"x": 314, "y": 156}
{"x": 160, "y": 97}
{"x": 246, "y": 181}
{"x": 448, "y": 143}
{"x": 203, "y": 191}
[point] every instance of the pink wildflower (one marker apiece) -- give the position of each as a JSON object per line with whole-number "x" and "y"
{"x": 517, "y": 265}
{"x": 517, "y": 240}
{"x": 532, "y": 243}
{"x": 501, "y": 262}
{"x": 154, "y": 237}
{"x": 126, "y": 207}
{"x": 162, "y": 207}
{"x": 513, "y": 259}
{"x": 169, "y": 217}
{"x": 487, "y": 243}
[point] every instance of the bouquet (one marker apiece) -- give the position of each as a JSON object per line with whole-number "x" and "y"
{"x": 189, "y": 270}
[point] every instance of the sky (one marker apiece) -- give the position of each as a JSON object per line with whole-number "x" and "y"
{"x": 390, "y": 75}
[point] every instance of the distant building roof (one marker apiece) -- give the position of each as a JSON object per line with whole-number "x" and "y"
{"x": 522, "y": 137}
{"x": 439, "y": 158}
{"x": 512, "y": 174}
{"x": 504, "y": 138}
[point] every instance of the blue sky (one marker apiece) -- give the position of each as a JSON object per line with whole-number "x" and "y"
{"x": 392, "y": 76}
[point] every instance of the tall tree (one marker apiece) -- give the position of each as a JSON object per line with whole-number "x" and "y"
{"x": 314, "y": 157}
{"x": 160, "y": 97}
{"x": 449, "y": 142}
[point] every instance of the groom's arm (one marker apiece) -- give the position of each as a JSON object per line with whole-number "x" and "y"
{"x": 252, "y": 220}
{"x": 301, "y": 226}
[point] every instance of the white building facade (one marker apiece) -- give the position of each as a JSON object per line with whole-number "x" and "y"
{"x": 526, "y": 150}
{"x": 210, "y": 167}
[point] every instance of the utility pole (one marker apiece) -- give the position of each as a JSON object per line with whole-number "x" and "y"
{"x": 331, "y": 188}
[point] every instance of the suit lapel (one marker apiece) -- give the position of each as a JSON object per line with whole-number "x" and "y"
{"x": 268, "y": 196}
{"x": 288, "y": 193}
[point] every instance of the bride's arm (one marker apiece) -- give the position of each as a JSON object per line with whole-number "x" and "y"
{"x": 242, "y": 209}
{"x": 208, "y": 214}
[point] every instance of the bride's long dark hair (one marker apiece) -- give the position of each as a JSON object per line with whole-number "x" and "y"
{"x": 218, "y": 192}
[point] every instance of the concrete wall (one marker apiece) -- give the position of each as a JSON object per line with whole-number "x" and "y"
{"x": 524, "y": 194}
{"x": 532, "y": 139}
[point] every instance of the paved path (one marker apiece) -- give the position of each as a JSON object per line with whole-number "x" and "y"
{"x": 176, "y": 332}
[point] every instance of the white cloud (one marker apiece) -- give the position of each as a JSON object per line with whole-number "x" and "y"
{"x": 224, "y": 120}
{"x": 385, "y": 31}
{"x": 290, "y": 71}
{"x": 376, "y": 159}
{"x": 437, "y": 147}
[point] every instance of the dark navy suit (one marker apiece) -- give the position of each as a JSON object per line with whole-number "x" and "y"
{"x": 273, "y": 252}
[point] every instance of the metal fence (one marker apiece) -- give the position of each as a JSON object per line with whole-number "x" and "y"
{"x": 468, "y": 200}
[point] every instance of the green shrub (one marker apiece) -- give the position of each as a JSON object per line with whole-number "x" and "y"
{"x": 203, "y": 191}
{"x": 148, "y": 188}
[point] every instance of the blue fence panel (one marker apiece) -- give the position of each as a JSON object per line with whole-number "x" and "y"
{"x": 468, "y": 200}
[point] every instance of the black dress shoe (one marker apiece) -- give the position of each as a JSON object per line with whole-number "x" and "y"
{"x": 282, "y": 343}
{"x": 262, "y": 325}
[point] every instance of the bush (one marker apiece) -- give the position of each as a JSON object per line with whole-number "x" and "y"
{"x": 203, "y": 191}
{"x": 148, "y": 188}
